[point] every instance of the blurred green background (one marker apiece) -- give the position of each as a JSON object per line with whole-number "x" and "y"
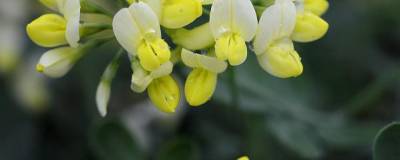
{"x": 349, "y": 90}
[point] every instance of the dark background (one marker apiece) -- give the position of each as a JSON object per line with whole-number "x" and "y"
{"x": 349, "y": 90}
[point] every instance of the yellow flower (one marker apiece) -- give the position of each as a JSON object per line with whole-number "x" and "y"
{"x": 162, "y": 89}
{"x": 281, "y": 60}
{"x": 70, "y": 9}
{"x": 318, "y": 7}
{"x": 48, "y": 30}
{"x": 273, "y": 46}
{"x": 175, "y": 13}
{"x": 244, "y": 158}
{"x": 309, "y": 25}
{"x": 179, "y": 13}
{"x": 164, "y": 93}
{"x": 232, "y": 22}
{"x": 137, "y": 29}
{"x": 202, "y": 80}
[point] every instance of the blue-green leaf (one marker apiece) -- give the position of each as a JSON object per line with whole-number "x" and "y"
{"x": 387, "y": 143}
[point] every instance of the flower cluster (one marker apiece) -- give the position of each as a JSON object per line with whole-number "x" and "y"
{"x": 208, "y": 49}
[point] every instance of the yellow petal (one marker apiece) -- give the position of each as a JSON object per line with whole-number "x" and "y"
{"x": 309, "y": 27}
{"x": 47, "y": 30}
{"x": 318, "y": 7}
{"x": 164, "y": 93}
{"x": 231, "y": 47}
{"x": 200, "y": 86}
{"x": 281, "y": 60}
{"x": 179, "y": 13}
{"x": 152, "y": 53}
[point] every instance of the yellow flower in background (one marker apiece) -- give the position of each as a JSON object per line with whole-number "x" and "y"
{"x": 272, "y": 44}
{"x": 233, "y": 23}
{"x": 202, "y": 80}
{"x": 137, "y": 29}
{"x": 175, "y": 13}
{"x": 244, "y": 158}
{"x": 70, "y": 9}
{"x": 309, "y": 25}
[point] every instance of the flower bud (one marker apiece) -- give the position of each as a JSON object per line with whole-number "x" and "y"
{"x": 309, "y": 27}
{"x": 195, "y": 39}
{"x": 164, "y": 93}
{"x": 231, "y": 47}
{"x": 200, "y": 86}
{"x": 48, "y": 30}
{"x": 179, "y": 13}
{"x": 152, "y": 53}
{"x": 57, "y": 62}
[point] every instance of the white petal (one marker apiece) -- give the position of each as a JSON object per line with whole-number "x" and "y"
{"x": 126, "y": 31}
{"x": 102, "y": 97}
{"x": 156, "y": 6}
{"x": 72, "y": 15}
{"x": 244, "y": 19}
{"x": 164, "y": 70}
{"x": 238, "y": 16}
{"x": 194, "y": 60}
{"x": 57, "y": 62}
{"x": 130, "y": 25}
{"x": 145, "y": 18}
{"x": 220, "y": 17}
{"x": 141, "y": 79}
{"x": 277, "y": 22}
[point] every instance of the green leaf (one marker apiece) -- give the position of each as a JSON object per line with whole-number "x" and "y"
{"x": 179, "y": 149}
{"x": 112, "y": 141}
{"x": 387, "y": 143}
{"x": 297, "y": 136}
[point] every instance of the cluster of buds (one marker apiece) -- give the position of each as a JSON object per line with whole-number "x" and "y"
{"x": 208, "y": 49}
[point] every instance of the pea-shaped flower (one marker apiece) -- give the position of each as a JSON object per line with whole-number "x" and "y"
{"x": 137, "y": 29}
{"x": 202, "y": 80}
{"x": 272, "y": 44}
{"x": 175, "y": 13}
{"x": 162, "y": 89}
{"x": 233, "y": 23}
{"x": 52, "y": 30}
{"x": 309, "y": 25}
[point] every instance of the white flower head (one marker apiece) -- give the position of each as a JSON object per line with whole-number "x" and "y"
{"x": 232, "y": 22}
{"x": 132, "y": 25}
